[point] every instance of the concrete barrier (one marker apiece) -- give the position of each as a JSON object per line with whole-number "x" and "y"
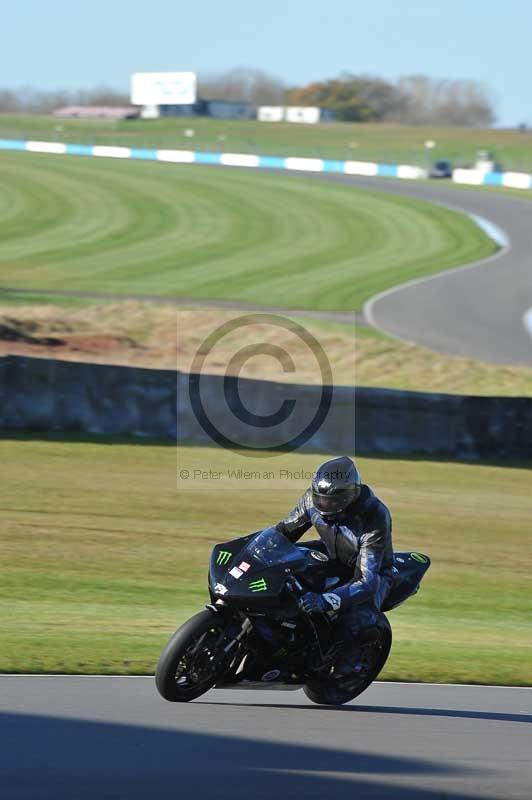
{"x": 48, "y": 395}
{"x": 478, "y": 177}
{"x": 473, "y": 177}
{"x": 404, "y": 171}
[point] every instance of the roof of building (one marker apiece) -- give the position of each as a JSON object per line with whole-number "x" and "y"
{"x": 97, "y": 112}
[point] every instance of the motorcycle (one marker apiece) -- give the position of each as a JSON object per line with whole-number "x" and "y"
{"x": 254, "y": 634}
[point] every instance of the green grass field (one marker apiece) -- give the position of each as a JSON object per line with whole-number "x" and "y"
{"x": 102, "y": 557}
{"x": 350, "y": 141}
{"x": 109, "y": 226}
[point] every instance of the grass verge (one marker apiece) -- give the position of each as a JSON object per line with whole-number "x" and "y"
{"x": 103, "y": 557}
{"x": 163, "y": 337}
{"x": 145, "y": 228}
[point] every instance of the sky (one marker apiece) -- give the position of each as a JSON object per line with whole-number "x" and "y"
{"x": 56, "y": 44}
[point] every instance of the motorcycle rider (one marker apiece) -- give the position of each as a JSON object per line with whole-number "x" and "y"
{"x": 356, "y": 530}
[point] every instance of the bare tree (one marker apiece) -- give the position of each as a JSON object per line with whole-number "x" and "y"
{"x": 102, "y": 96}
{"x": 8, "y": 100}
{"x": 445, "y": 102}
{"x": 245, "y": 85}
{"x": 29, "y": 100}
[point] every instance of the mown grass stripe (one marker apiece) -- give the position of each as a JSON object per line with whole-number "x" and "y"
{"x": 134, "y": 227}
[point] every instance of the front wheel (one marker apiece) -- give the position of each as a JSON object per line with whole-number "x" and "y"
{"x": 190, "y": 663}
{"x": 373, "y": 658}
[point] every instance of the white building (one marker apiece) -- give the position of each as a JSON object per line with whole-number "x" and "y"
{"x": 270, "y": 113}
{"x": 309, "y": 115}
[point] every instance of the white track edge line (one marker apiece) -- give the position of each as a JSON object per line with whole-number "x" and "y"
{"x": 527, "y": 321}
{"x": 151, "y": 677}
{"x": 501, "y": 238}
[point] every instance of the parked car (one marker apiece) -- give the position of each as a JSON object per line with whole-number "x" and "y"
{"x": 441, "y": 169}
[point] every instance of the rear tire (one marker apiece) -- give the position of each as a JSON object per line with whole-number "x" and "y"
{"x": 178, "y": 688}
{"x": 333, "y": 694}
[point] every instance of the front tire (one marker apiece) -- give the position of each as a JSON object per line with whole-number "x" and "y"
{"x": 187, "y": 666}
{"x": 332, "y": 693}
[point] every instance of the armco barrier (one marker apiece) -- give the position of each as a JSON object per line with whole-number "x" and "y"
{"x": 473, "y": 177}
{"x": 48, "y": 395}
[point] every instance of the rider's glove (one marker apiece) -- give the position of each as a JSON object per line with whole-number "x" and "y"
{"x": 321, "y": 524}
{"x": 312, "y": 603}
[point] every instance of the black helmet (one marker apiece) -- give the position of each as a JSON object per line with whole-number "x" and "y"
{"x": 335, "y": 484}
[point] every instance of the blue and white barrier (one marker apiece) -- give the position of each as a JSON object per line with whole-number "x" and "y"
{"x": 472, "y": 177}
{"x": 224, "y": 159}
{"x": 477, "y": 177}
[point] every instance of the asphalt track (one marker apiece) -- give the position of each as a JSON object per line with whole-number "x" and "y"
{"x": 478, "y": 310}
{"x": 75, "y": 738}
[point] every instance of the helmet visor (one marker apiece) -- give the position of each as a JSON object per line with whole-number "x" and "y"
{"x": 330, "y": 504}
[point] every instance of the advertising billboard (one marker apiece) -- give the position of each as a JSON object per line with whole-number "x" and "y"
{"x": 163, "y": 88}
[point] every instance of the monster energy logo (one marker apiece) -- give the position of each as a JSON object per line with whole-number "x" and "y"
{"x": 223, "y": 557}
{"x": 258, "y": 586}
{"x": 419, "y": 557}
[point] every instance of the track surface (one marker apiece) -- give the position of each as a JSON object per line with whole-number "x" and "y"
{"x": 99, "y": 737}
{"x": 475, "y": 311}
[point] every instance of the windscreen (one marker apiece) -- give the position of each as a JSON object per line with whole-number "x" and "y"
{"x": 271, "y": 547}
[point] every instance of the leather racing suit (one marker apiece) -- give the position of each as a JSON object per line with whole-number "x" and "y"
{"x": 360, "y": 539}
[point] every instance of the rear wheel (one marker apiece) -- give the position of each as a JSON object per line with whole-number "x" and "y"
{"x": 372, "y": 659}
{"x": 193, "y": 659}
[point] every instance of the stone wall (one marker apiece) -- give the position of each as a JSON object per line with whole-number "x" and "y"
{"x": 47, "y": 395}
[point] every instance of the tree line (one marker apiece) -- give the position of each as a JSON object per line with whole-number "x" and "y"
{"x": 411, "y": 100}
{"x": 28, "y": 100}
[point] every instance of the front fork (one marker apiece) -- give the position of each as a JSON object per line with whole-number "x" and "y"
{"x": 246, "y": 625}
{"x": 231, "y": 651}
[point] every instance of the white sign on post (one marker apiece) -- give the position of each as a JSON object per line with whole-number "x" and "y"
{"x": 163, "y": 88}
